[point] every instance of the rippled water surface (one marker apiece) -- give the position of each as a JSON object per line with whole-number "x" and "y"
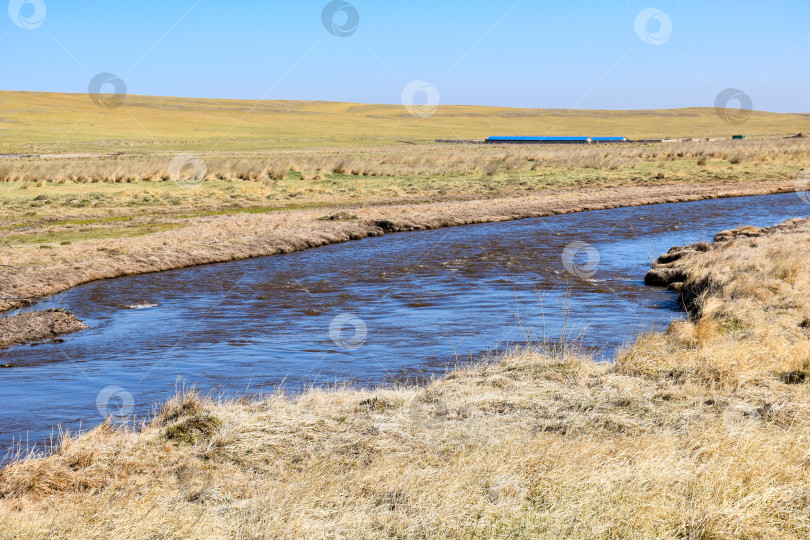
{"x": 409, "y": 304}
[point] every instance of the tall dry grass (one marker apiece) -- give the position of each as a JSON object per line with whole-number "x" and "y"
{"x": 698, "y": 432}
{"x": 394, "y": 161}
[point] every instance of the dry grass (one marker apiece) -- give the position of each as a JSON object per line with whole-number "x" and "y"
{"x": 409, "y": 161}
{"x": 69, "y": 200}
{"x": 700, "y": 432}
{"x": 70, "y": 244}
{"x": 749, "y": 285}
{"x": 69, "y": 220}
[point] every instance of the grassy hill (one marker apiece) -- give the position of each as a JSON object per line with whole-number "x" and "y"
{"x": 46, "y": 122}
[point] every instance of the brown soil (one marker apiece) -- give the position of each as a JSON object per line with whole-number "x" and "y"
{"x": 37, "y": 326}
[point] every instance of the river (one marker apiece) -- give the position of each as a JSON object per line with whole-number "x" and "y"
{"x": 369, "y": 312}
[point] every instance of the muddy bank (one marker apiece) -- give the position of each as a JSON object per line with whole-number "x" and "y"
{"x": 37, "y": 272}
{"x": 37, "y": 326}
{"x": 680, "y": 268}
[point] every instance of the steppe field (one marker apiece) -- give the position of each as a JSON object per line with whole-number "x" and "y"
{"x": 701, "y": 431}
{"x": 161, "y": 183}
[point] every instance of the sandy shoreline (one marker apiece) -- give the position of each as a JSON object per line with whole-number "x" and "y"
{"x": 34, "y": 273}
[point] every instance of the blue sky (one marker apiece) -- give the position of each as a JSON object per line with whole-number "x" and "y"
{"x": 574, "y": 54}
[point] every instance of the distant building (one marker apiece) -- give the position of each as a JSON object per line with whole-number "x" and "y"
{"x": 555, "y": 140}
{"x": 538, "y": 140}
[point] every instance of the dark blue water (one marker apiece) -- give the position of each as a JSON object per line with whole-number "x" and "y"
{"x": 371, "y": 311}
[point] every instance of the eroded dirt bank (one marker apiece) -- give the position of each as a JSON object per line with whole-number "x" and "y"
{"x": 33, "y": 273}
{"x": 37, "y": 326}
{"x": 688, "y": 270}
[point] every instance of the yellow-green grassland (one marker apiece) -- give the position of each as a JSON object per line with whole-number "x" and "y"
{"x": 701, "y": 431}
{"x": 162, "y": 183}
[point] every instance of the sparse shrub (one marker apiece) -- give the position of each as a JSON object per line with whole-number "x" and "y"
{"x": 278, "y": 173}
{"x": 341, "y": 216}
{"x": 493, "y": 167}
{"x": 199, "y": 426}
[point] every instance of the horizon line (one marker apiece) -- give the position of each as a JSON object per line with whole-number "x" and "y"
{"x": 383, "y": 104}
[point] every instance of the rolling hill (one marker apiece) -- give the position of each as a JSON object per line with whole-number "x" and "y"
{"x": 48, "y": 122}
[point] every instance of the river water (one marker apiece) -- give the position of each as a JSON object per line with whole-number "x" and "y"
{"x": 406, "y": 305}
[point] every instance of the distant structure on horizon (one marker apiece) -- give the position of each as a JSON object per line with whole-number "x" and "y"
{"x": 580, "y": 140}
{"x": 554, "y": 140}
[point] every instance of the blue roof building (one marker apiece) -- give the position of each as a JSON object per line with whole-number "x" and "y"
{"x": 554, "y": 140}
{"x": 539, "y": 140}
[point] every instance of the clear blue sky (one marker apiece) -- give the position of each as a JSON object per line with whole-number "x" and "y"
{"x": 560, "y": 54}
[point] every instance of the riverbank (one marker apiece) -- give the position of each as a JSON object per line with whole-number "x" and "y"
{"x": 68, "y": 220}
{"x": 37, "y": 327}
{"x": 31, "y": 270}
{"x": 696, "y": 432}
